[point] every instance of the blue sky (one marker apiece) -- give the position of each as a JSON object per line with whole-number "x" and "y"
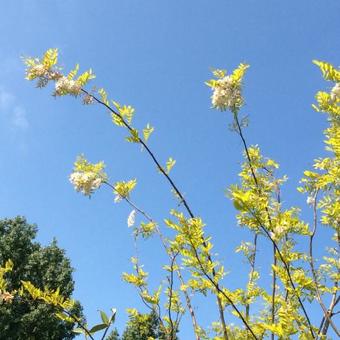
{"x": 156, "y": 55}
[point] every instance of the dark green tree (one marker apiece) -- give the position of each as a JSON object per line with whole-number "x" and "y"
{"x": 24, "y": 318}
{"x": 140, "y": 327}
{"x": 114, "y": 335}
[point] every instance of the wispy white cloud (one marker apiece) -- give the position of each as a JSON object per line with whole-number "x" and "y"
{"x": 6, "y": 99}
{"x": 12, "y": 112}
{"x": 19, "y": 118}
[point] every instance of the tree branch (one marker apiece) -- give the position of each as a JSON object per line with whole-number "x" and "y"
{"x": 265, "y": 229}
{"x": 153, "y": 157}
{"x": 170, "y": 254}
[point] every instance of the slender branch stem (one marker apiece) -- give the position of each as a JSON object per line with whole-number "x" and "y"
{"x": 169, "y": 252}
{"x": 151, "y": 154}
{"x": 182, "y": 199}
{"x": 190, "y": 308}
{"x": 273, "y": 271}
{"x": 79, "y": 323}
{"x": 273, "y": 290}
{"x": 151, "y": 307}
{"x": 105, "y": 332}
{"x": 221, "y": 291}
{"x": 171, "y": 283}
{"x": 327, "y": 312}
{"x": 321, "y": 324}
{"x": 335, "y": 313}
{"x": 251, "y": 279}
{"x": 286, "y": 288}
{"x": 265, "y": 229}
{"x": 328, "y": 320}
{"x": 252, "y": 266}
{"x": 197, "y": 257}
{"x": 335, "y": 300}
{"x": 290, "y": 279}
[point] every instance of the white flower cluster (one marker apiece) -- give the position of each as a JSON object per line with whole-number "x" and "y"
{"x": 278, "y": 232}
{"x": 335, "y": 93}
{"x": 88, "y": 99}
{"x": 41, "y": 72}
{"x": 66, "y": 86}
{"x": 131, "y": 218}
{"x": 227, "y": 94}
{"x": 38, "y": 70}
{"x": 86, "y": 182}
{"x": 310, "y": 200}
{"x": 117, "y": 198}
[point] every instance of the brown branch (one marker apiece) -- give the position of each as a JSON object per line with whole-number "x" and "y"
{"x": 171, "y": 283}
{"x": 274, "y": 272}
{"x": 151, "y": 307}
{"x": 328, "y": 318}
{"x": 78, "y": 322}
{"x": 290, "y": 279}
{"x": 327, "y": 312}
{"x": 265, "y": 229}
{"x": 219, "y": 290}
{"x": 169, "y": 252}
{"x": 273, "y": 291}
{"x": 335, "y": 300}
{"x": 252, "y": 266}
{"x": 153, "y": 157}
{"x": 151, "y": 154}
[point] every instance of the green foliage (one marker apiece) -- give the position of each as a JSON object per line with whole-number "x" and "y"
{"x": 170, "y": 164}
{"x": 8, "y": 267}
{"x": 146, "y": 229}
{"x": 86, "y": 176}
{"x": 329, "y": 72}
{"x": 278, "y": 310}
{"x": 85, "y": 77}
{"x": 50, "y": 58}
{"x": 143, "y": 327}
{"x": 147, "y": 131}
{"x": 102, "y": 326}
{"x": 123, "y": 189}
{"x": 25, "y": 318}
{"x": 114, "y": 335}
{"x": 134, "y": 136}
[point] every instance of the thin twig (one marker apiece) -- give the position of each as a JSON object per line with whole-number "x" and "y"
{"x": 273, "y": 291}
{"x": 327, "y": 312}
{"x": 106, "y": 330}
{"x": 266, "y": 231}
{"x": 79, "y": 323}
{"x": 153, "y": 157}
{"x": 252, "y": 270}
{"x": 221, "y": 291}
{"x": 273, "y": 271}
{"x": 168, "y": 251}
{"x": 151, "y": 307}
{"x": 252, "y": 266}
{"x": 171, "y": 283}
{"x": 335, "y": 299}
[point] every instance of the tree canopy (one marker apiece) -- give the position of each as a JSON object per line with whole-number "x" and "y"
{"x": 140, "y": 327}
{"x": 45, "y": 267}
{"x": 281, "y": 309}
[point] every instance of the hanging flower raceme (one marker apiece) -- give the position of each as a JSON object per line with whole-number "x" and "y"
{"x": 65, "y": 86}
{"x": 45, "y": 70}
{"x": 227, "y": 89}
{"x": 87, "y": 177}
{"x": 38, "y": 70}
{"x": 335, "y": 93}
{"x": 226, "y": 95}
